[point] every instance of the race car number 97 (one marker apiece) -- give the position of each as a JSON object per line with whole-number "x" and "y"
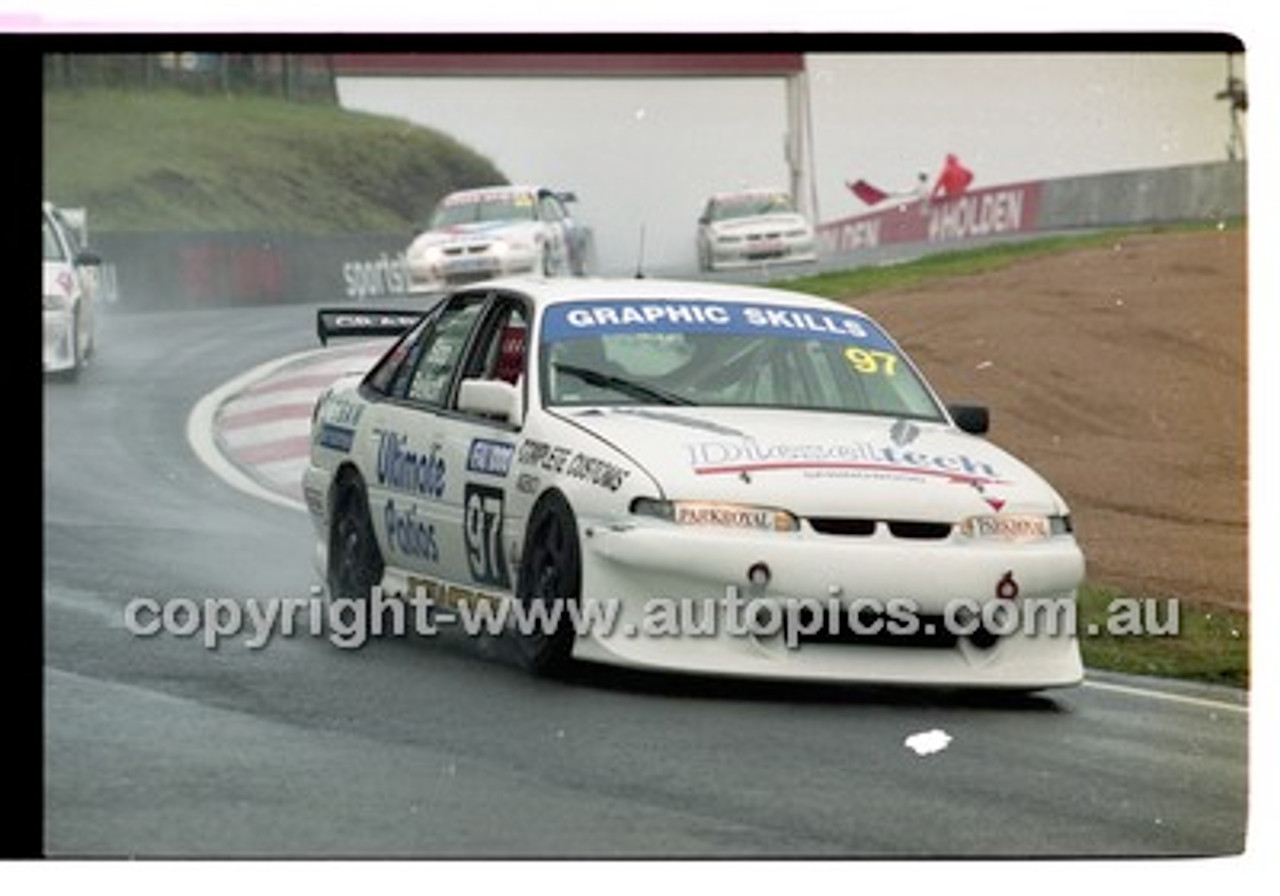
{"x": 872, "y": 361}
{"x": 483, "y": 530}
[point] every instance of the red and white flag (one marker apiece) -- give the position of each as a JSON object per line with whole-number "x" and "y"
{"x": 867, "y": 193}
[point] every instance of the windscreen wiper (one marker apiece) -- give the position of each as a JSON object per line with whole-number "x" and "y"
{"x": 621, "y": 384}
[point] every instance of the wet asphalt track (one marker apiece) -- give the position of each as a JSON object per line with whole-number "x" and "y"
{"x": 439, "y": 747}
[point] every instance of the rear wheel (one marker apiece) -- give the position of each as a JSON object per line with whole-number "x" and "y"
{"x": 550, "y": 576}
{"x": 355, "y": 563}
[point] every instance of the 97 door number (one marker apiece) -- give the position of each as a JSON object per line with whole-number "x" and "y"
{"x": 482, "y": 525}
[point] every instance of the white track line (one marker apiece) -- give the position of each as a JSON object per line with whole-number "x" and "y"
{"x": 1165, "y": 695}
{"x": 200, "y": 429}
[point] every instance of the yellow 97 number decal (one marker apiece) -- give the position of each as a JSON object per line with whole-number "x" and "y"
{"x": 871, "y": 361}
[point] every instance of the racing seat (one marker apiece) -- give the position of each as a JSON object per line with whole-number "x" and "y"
{"x": 509, "y": 364}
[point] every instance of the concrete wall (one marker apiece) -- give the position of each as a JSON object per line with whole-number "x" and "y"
{"x": 200, "y": 270}
{"x": 1163, "y": 195}
{"x": 203, "y": 270}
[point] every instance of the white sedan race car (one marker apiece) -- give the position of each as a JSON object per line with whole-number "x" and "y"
{"x": 705, "y": 478}
{"x": 753, "y": 227}
{"x": 498, "y": 231}
{"x": 69, "y": 284}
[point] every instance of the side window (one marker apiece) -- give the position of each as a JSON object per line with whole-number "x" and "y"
{"x": 382, "y": 376}
{"x": 428, "y": 372}
{"x": 499, "y": 353}
{"x": 551, "y": 209}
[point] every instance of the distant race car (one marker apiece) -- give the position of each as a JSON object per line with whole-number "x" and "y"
{"x": 701, "y": 477}
{"x": 753, "y": 227}
{"x": 498, "y": 231}
{"x": 70, "y": 286}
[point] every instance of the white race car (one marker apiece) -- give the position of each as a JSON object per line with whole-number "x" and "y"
{"x": 70, "y": 283}
{"x": 753, "y": 227}
{"x": 702, "y": 477}
{"x": 498, "y": 231}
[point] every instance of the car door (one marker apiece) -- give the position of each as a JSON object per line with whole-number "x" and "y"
{"x": 408, "y": 474}
{"x": 478, "y": 522}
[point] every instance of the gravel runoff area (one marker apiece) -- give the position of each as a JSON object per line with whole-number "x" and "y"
{"x": 1120, "y": 373}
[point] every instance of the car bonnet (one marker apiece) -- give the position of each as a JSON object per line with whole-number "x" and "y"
{"x": 823, "y": 464}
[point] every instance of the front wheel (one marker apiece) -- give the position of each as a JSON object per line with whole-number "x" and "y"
{"x": 550, "y": 582}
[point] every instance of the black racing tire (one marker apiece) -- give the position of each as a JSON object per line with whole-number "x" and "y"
{"x": 355, "y": 563}
{"x": 550, "y": 574}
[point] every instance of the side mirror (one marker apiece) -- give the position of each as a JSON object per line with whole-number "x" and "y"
{"x": 971, "y": 418}
{"x": 491, "y": 398}
{"x": 86, "y": 258}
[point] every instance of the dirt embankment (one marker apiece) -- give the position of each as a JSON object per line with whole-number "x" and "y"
{"x": 1120, "y": 373}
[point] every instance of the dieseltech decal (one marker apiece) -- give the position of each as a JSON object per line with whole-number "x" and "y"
{"x": 748, "y": 456}
{"x": 574, "y": 319}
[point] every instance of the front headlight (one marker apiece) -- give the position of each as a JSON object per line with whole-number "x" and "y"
{"x": 425, "y": 253}
{"x": 716, "y": 513}
{"x": 516, "y": 244}
{"x": 1015, "y": 526}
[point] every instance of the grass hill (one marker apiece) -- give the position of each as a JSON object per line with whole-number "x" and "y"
{"x": 163, "y": 161}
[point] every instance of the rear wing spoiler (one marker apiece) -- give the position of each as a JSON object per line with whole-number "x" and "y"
{"x": 368, "y": 322}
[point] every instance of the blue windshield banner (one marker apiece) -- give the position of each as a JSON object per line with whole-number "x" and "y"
{"x": 576, "y": 319}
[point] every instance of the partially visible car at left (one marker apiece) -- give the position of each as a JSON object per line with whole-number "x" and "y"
{"x": 498, "y": 231}
{"x": 70, "y": 285}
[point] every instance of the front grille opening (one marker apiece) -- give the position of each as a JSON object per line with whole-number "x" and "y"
{"x": 843, "y": 526}
{"x": 918, "y": 530}
{"x": 921, "y": 531}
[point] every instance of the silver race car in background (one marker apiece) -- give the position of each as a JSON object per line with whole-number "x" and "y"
{"x": 701, "y": 477}
{"x": 70, "y": 288}
{"x": 753, "y": 227}
{"x": 498, "y": 231}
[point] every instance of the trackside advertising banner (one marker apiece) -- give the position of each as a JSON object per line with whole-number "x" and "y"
{"x": 1014, "y": 208}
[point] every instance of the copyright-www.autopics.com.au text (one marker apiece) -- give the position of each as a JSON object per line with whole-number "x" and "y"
{"x": 793, "y": 622}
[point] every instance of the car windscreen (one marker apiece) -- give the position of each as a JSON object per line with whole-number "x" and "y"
{"x": 726, "y": 355}
{"x": 751, "y": 205}
{"x": 498, "y": 207}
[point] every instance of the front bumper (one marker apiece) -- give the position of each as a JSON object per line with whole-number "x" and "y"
{"x": 453, "y": 267}
{"x": 749, "y": 252}
{"x": 649, "y": 569}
